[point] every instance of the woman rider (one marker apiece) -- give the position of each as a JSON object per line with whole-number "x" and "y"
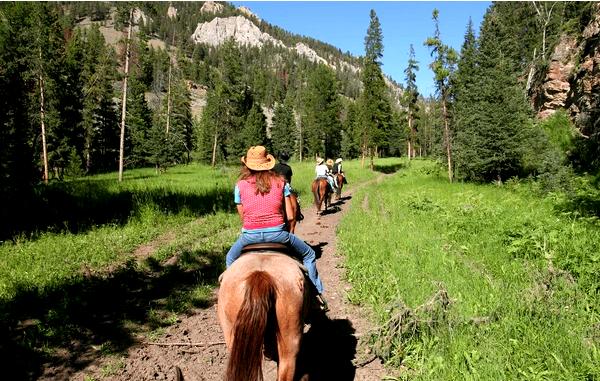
{"x": 263, "y": 199}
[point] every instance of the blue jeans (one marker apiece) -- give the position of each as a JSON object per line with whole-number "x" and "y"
{"x": 309, "y": 259}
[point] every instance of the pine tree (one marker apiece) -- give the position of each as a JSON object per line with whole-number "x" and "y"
{"x": 443, "y": 66}
{"x": 494, "y": 140}
{"x": 283, "y": 130}
{"x": 376, "y": 111}
{"x": 139, "y": 123}
{"x": 411, "y": 95}
{"x": 255, "y": 128}
{"x": 465, "y": 85}
{"x": 322, "y": 127}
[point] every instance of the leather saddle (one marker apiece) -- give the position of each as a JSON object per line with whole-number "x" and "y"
{"x": 272, "y": 246}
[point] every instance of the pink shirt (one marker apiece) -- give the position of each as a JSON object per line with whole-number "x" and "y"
{"x": 262, "y": 211}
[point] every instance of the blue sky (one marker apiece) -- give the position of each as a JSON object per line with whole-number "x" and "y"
{"x": 344, "y": 25}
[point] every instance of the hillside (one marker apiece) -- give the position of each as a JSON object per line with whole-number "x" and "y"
{"x": 218, "y": 22}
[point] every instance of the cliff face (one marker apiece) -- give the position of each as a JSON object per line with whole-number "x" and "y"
{"x": 572, "y": 80}
{"x": 585, "y": 83}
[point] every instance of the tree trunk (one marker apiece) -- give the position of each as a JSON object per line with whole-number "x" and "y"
{"x": 43, "y": 125}
{"x": 124, "y": 101}
{"x": 214, "y": 150}
{"x": 447, "y": 139}
{"x": 169, "y": 99}
{"x": 410, "y": 137}
{"x": 299, "y": 124}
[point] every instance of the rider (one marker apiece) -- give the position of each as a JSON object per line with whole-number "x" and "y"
{"x": 263, "y": 199}
{"x": 337, "y": 168}
{"x": 322, "y": 171}
{"x": 330, "y": 174}
{"x": 283, "y": 168}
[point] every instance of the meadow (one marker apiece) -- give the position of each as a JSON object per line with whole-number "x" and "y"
{"x": 465, "y": 281}
{"x": 96, "y": 262}
{"x": 474, "y": 282}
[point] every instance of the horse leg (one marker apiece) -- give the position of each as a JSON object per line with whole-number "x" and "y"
{"x": 288, "y": 348}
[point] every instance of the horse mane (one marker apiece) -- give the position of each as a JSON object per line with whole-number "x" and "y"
{"x": 252, "y": 322}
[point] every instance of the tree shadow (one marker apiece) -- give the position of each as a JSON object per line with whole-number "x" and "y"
{"x": 60, "y": 327}
{"x": 79, "y": 206}
{"x": 389, "y": 168}
{"x": 328, "y": 349}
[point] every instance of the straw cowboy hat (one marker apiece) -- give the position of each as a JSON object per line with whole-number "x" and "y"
{"x": 338, "y": 160}
{"x": 329, "y": 162}
{"x": 320, "y": 160}
{"x": 258, "y": 159}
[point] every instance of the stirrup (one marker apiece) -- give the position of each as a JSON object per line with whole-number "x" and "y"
{"x": 323, "y": 306}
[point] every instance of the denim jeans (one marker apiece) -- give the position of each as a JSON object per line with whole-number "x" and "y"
{"x": 309, "y": 259}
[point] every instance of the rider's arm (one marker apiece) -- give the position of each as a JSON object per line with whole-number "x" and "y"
{"x": 289, "y": 207}
{"x": 238, "y": 202}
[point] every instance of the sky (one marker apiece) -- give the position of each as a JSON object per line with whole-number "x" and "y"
{"x": 344, "y": 25}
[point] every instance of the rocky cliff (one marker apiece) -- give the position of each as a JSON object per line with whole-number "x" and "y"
{"x": 572, "y": 79}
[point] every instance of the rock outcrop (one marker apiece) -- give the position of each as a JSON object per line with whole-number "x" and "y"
{"x": 211, "y": 7}
{"x": 248, "y": 12}
{"x": 585, "y": 84}
{"x": 572, "y": 80}
{"x": 306, "y": 51}
{"x": 556, "y": 85}
{"x": 243, "y": 31}
{"x": 171, "y": 12}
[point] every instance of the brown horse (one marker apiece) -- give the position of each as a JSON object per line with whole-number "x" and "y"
{"x": 321, "y": 192}
{"x": 262, "y": 303}
{"x": 340, "y": 183}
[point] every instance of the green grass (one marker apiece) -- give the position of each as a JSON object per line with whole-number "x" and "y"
{"x": 70, "y": 279}
{"x": 522, "y": 279}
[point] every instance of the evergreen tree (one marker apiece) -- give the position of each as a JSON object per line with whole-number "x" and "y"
{"x": 322, "y": 127}
{"x": 283, "y": 130}
{"x": 494, "y": 140}
{"x": 139, "y": 123}
{"x": 411, "y": 96}
{"x": 17, "y": 172}
{"x": 350, "y": 145}
{"x": 255, "y": 128}
{"x": 99, "y": 122}
{"x": 443, "y": 66}
{"x": 465, "y": 85}
{"x": 376, "y": 109}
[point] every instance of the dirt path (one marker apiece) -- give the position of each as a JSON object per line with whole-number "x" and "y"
{"x": 195, "y": 343}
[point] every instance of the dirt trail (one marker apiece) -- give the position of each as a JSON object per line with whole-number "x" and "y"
{"x": 202, "y": 354}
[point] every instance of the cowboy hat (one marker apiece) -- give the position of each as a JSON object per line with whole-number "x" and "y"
{"x": 338, "y": 160}
{"x": 258, "y": 159}
{"x": 329, "y": 162}
{"x": 320, "y": 160}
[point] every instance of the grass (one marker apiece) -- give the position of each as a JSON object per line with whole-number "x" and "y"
{"x": 70, "y": 279}
{"x": 521, "y": 279}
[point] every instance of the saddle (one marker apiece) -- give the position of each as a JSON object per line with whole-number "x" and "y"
{"x": 268, "y": 246}
{"x": 276, "y": 247}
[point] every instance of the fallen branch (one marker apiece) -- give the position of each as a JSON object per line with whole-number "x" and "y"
{"x": 162, "y": 344}
{"x": 363, "y": 363}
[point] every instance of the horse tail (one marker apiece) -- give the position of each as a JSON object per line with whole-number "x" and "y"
{"x": 245, "y": 361}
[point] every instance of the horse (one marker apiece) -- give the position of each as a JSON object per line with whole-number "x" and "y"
{"x": 340, "y": 183}
{"x": 321, "y": 192}
{"x": 262, "y": 303}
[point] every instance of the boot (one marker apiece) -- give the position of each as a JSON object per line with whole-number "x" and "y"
{"x": 322, "y": 303}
